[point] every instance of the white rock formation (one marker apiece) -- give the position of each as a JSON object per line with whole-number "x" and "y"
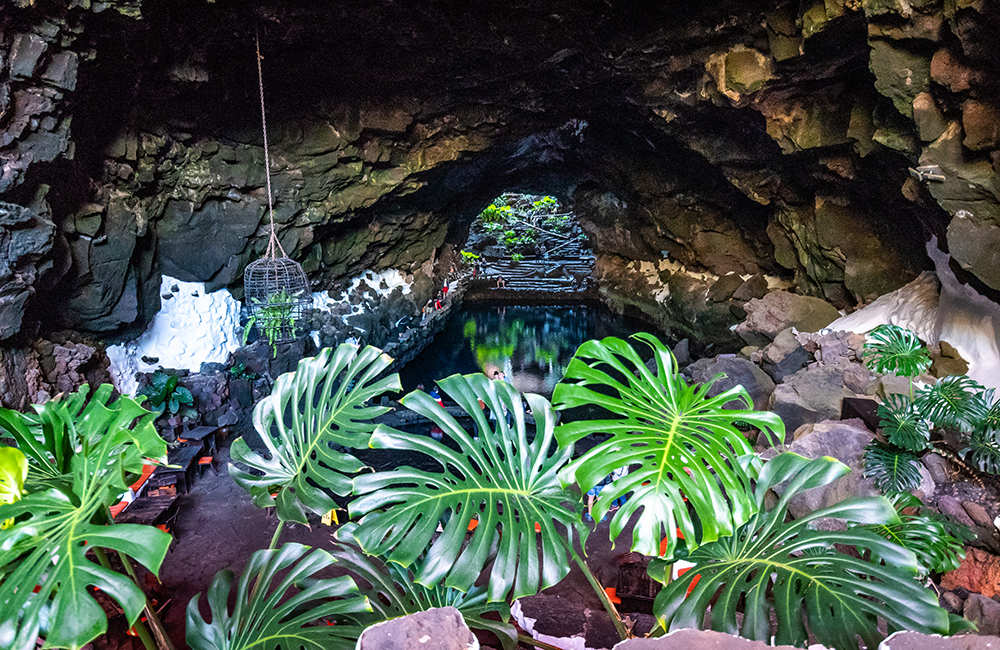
{"x": 956, "y": 313}
{"x": 191, "y": 328}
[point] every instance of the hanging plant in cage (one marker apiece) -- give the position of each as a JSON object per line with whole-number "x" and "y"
{"x": 275, "y": 287}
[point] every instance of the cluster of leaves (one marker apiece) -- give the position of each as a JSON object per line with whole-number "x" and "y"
{"x": 165, "y": 395}
{"x": 518, "y": 242}
{"x": 72, "y": 459}
{"x": 240, "y": 371}
{"x": 508, "y": 502}
{"x": 505, "y": 502}
{"x": 496, "y": 212}
{"x": 955, "y": 402}
{"x": 274, "y": 318}
{"x": 469, "y": 257}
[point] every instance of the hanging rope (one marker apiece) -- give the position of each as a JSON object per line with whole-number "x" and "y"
{"x": 273, "y": 245}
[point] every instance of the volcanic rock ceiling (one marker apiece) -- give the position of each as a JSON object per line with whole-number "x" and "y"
{"x": 694, "y": 140}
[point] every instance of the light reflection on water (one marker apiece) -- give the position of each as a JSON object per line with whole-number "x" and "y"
{"x": 531, "y": 345}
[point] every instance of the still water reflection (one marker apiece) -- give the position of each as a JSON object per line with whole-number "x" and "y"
{"x": 531, "y": 345}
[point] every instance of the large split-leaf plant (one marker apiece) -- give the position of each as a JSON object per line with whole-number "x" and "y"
{"x": 691, "y": 467}
{"x": 505, "y": 481}
{"x": 80, "y": 448}
{"x": 790, "y": 574}
{"x": 307, "y": 424}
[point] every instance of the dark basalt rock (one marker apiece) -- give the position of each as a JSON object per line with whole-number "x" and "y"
{"x": 764, "y": 141}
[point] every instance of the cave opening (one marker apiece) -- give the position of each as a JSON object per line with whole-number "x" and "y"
{"x": 526, "y": 247}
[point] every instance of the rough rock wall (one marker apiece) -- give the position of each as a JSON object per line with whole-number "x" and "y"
{"x": 712, "y": 142}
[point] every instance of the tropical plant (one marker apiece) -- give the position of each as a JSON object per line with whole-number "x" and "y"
{"x": 983, "y": 450}
{"x": 240, "y": 371}
{"x": 953, "y": 401}
{"x": 937, "y": 543}
{"x": 79, "y": 449}
{"x": 392, "y": 592}
{"x": 13, "y": 472}
{"x": 891, "y": 468}
{"x": 903, "y": 424}
{"x": 691, "y": 467}
{"x": 165, "y": 395}
{"x": 468, "y": 256}
{"x": 274, "y": 318}
{"x": 516, "y": 257}
{"x": 890, "y": 348}
{"x": 265, "y": 617}
{"x": 787, "y": 572}
{"x": 305, "y": 423}
{"x": 503, "y": 480}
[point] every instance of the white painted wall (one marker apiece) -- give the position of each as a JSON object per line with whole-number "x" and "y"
{"x": 191, "y": 328}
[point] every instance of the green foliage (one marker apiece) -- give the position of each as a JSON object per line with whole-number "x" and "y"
{"x": 165, "y": 395}
{"x": 891, "y": 468}
{"x": 306, "y": 421}
{"x": 392, "y": 592}
{"x": 983, "y": 450}
{"x": 902, "y": 423}
{"x": 891, "y": 348}
{"x": 467, "y": 256}
{"x": 13, "y": 472}
{"x": 503, "y": 479}
{"x": 516, "y": 257}
{"x": 783, "y": 570}
{"x": 274, "y": 318}
{"x": 79, "y": 451}
{"x": 930, "y": 538}
{"x": 954, "y": 401}
{"x": 496, "y": 212}
{"x": 240, "y": 371}
{"x": 691, "y": 465}
{"x": 265, "y": 618}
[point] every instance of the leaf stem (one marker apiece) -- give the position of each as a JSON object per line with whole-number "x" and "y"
{"x": 277, "y": 534}
{"x": 162, "y": 638}
{"x": 608, "y": 605}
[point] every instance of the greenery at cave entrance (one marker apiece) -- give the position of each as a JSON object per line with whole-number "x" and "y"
{"x": 524, "y": 226}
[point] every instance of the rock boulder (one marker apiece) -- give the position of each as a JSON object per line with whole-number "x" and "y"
{"x": 778, "y": 311}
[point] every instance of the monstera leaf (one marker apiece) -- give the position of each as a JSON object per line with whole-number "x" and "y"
{"x": 79, "y": 452}
{"x": 280, "y": 604}
{"x": 783, "y": 571}
{"x": 504, "y": 479}
{"x": 930, "y": 538}
{"x": 13, "y": 472}
{"x": 891, "y": 348}
{"x": 892, "y": 469}
{"x": 80, "y": 423}
{"x": 902, "y": 423}
{"x": 984, "y": 450}
{"x": 682, "y": 445}
{"x": 954, "y": 401}
{"x": 393, "y": 593}
{"x": 309, "y": 417}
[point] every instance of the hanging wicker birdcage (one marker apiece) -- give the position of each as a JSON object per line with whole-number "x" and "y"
{"x": 276, "y": 288}
{"x": 277, "y": 295}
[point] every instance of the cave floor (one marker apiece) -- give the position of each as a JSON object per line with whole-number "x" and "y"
{"x": 217, "y": 527}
